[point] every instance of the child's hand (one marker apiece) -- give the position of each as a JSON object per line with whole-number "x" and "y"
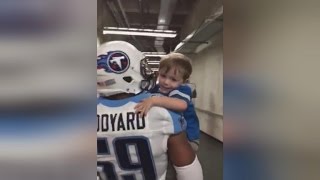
{"x": 144, "y": 106}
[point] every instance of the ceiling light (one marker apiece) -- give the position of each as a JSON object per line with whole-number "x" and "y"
{"x": 162, "y": 53}
{"x": 154, "y": 55}
{"x": 154, "y": 63}
{"x": 162, "y": 21}
{"x": 140, "y": 32}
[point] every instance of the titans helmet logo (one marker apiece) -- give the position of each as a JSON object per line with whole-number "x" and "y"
{"x": 114, "y": 61}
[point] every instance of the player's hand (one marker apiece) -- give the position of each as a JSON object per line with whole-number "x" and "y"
{"x": 144, "y": 106}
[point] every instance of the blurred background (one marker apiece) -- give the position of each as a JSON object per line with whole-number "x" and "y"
{"x": 271, "y": 94}
{"x": 48, "y": 90}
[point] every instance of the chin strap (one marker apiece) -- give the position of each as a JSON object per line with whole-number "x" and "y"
{"x": 108, "y": 92}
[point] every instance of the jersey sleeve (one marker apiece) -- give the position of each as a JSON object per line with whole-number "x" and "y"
{"x": 179, "y": 123}
{"x": 168, "y": 121}
{"x": 182, "y": 92}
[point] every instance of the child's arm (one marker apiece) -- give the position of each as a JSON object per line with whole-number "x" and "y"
{"x": 171, "y": 103}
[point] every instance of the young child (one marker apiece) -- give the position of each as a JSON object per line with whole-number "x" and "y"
{"x": 174, "y": 71}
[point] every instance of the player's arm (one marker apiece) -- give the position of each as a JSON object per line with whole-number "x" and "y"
{"x": 184, "y": 159}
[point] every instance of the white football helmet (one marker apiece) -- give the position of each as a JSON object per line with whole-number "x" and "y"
{"x": 122, "y": 68}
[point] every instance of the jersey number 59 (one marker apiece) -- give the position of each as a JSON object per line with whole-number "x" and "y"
{"x": 132, "y": 154}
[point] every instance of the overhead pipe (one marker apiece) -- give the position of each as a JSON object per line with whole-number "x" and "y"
{"x": 126, "y": 21}
{"x": 123, "y": 13}
{"x": 164, "y": 19}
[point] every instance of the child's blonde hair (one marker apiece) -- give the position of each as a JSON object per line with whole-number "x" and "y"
{"x": 177, "y": 61}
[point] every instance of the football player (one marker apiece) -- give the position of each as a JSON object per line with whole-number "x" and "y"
{"x": 131, "y": 146}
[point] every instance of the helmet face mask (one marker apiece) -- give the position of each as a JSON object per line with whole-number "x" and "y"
{"x": 121, "y": 68}
{"x": 146, "y": 72}
{"x": 149, "y": 77}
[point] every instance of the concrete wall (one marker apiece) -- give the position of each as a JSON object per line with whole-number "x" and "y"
{"x": 207, "y": 71}
{"x": 202, "y": 10}
{"x": 208, "y": 77}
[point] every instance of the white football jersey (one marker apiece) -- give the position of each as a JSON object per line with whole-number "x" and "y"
{"x": 130, "y": 146}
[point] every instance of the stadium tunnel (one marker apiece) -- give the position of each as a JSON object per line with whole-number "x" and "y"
{"x": 198, "y": 29}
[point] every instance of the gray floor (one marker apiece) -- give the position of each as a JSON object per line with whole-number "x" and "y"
{"x": 210, "y": 155}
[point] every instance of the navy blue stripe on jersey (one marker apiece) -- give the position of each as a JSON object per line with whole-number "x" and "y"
{"x": 116, "y": 103}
